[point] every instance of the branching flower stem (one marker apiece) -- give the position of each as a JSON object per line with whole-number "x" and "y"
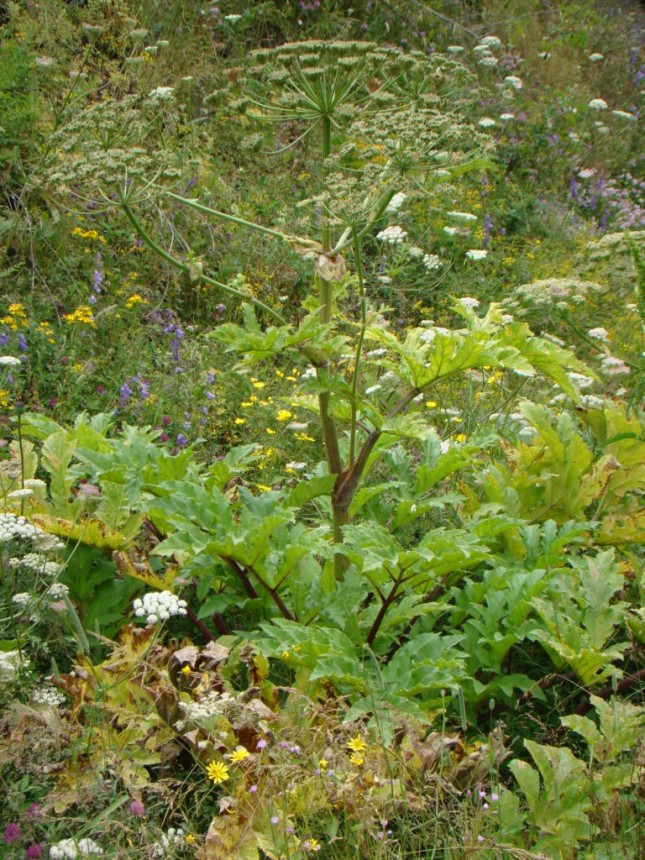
{"x": 184, "y": 267}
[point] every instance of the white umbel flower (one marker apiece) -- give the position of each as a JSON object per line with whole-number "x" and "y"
{"x": 159, "y": 606}
{"x": 598, "y": 104}
{"x": 396, "y": 202}
{"x": 392, "y": 235}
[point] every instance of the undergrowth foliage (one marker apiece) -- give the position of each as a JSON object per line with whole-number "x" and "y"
{"x": 322, "y": 456}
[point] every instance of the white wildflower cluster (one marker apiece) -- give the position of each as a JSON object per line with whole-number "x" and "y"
{"x": 462, "y": 216}
{"x": 597, "y": 104}
{"x": 18, "y": 528}
{"x": 21, "y": 599}
{"x": 57, "y": 591}
{"x": 514, "y": 82}
{"x": 469, "y": 302}
{"x": 23, "y": 493}
{"x": 431, "y": 262}
{"x": 396, "y": 202}
{"x": 486, "y": 122}
{"x": 9, "y": 361}
{"x": 70, "y": 849}
{"x": 39, "y": 564}
{"x": 623, "y": 114}
{"x": 613, "y": 366}
{"x": 392, "y": 235}
{"x": 10, "y": 663}
{"x": 161, "y": 93}
{"x": 48, "y": 695}
{"x": 476, "y": 254}
{"x": 550, "y": 290}
{"x": 174, "y": 838}
{"x": 159, "y": 606}
{"x": 590, "y": 401}
{"x": 581, "y": 381}
{"x": 599, "y": 333}
{"x": 212, "y": 705}
{"x": 595, "y": 58}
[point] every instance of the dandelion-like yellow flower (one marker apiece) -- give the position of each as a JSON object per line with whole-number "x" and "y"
{"x": 284, "y": 415}
{"x": 323, "y": 764}
{"x": 186, "y": 670}
{"x": 240, "y": 421}
{"x": 190, "y": 839}
{"x": 356, "y": 759}
{"x": 217, "y": 772}
{"x": 356, "y": 744}
{"x": 239, "y": 755}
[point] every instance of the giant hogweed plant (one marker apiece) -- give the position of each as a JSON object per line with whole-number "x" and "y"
{"x": 385, "y": 124}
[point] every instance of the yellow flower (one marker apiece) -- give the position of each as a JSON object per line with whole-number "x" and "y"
{"x": 323, "y": 764}
{"x": 356, "y": 759}
{"x": 4, "y": 398}
{"x": 240, "y": 421}
{"x": 302, "y": 437}
{"x": 270, "y": 431}
{"x": 284, "y": 415}
{"x": 239, "y": 754}
{"x": 186, "y": 670}
{"x": 356, "y": 744}
{"x": 135, "y": 300}
{"x": 460, "y": 437}
{"x": 312, "y": 845}
{"x": 431, "y": 404}
{"x": 264, "y": 488}
{"x": 257, "y": 384}
{"x": 190, "y": 839}
{"x": 217, "y": 772}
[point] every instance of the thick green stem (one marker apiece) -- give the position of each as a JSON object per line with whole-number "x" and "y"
{"x": 234, "y": 219}
{"x": 359, "y": 345}
{"x": 184, "y": 267}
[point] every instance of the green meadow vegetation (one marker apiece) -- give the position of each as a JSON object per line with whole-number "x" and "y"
{"x": 322, "y": 433}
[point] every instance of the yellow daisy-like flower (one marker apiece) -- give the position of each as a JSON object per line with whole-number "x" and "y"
{"x": 356, "y": 759}
{"x": 312, "y": 845}
{"x": 239, "y": 755}
{"x": 356, "y": 744}
{"x": 186, "y": 670}
{"x": 284, "y": 415}
{"x": 323, "y": 764}
{"x": 217, "y": 772}
{"x": 190, "y": 839}
{"x": 240, "y": 421}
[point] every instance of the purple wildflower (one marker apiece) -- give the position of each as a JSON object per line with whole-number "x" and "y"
{"x": 137, "y": 808}
{"x": 12, "y": 833}
{"x": 22, "y": 342}
{"x": 35, "y": 850}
